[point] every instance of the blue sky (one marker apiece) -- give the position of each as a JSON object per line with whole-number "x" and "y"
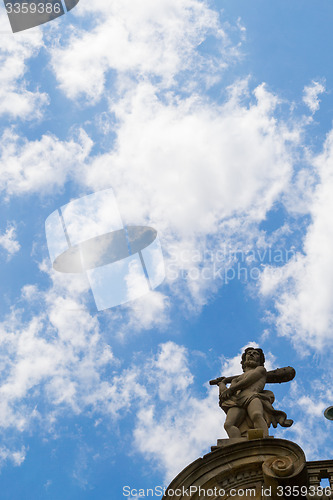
{"x": 212, "y": 122}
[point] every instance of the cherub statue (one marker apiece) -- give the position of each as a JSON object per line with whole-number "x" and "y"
{"x": 246, "y": 403}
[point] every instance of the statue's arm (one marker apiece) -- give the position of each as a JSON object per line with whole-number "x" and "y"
{"x": 248, "y": 378}
{"x": 221, "y": 383}
{"x": 242, "y": 382}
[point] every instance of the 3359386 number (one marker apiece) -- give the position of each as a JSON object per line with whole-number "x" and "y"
{"x": 33, "y": 8}
{"x": 311, "y": 491}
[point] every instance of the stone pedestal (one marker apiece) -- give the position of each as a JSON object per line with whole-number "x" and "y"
{"x": 265, "y": 469}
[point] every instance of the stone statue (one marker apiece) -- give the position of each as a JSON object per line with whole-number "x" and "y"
{"x": 246, "y": 403}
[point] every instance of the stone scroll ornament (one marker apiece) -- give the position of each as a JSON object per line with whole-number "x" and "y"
{"x": 286, "y": 473}
{"x": 122, "y": 263}
{"x": 25, "y": 14}
{"x": 247, "y": 404}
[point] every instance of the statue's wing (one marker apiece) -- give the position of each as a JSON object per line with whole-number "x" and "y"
{"x": 280, "y": 375}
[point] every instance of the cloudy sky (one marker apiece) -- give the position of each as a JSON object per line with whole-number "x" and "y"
{"x": 212, "y": 123}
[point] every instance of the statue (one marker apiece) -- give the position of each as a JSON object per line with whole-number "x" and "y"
{"x": 246, "y": 403}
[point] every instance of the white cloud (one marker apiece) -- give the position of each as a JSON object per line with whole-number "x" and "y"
{"x": 151, "y": 310}
{"x": 178, "y": 427}
{"x": 55, "y": 363}
{"x": 191, "y": 163}
{"x": 181, "y": 435}
{"x": 17, "y": 457}
{"x": 172, "y": 367}
{"x": 311, "y": 93}
{"x": 302, "y": 289}
{"x": 40, "y": 166}
{"x": 57, "y": 356}
{"x": 306, "y": 404}
{"x": 8, "y": 240}
{"x": 16, "y": 98}
{"x": 154, "y": 39}
{"x": 195, "y": 171}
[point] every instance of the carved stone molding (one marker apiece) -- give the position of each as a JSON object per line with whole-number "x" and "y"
{"x": 258, "y": 465}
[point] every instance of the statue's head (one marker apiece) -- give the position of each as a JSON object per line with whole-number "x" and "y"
{"x": 252, "y": 356}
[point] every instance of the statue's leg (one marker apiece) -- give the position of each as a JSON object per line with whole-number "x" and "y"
{"x": 256, "y": 414}
{"x": 235, "y": 417}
